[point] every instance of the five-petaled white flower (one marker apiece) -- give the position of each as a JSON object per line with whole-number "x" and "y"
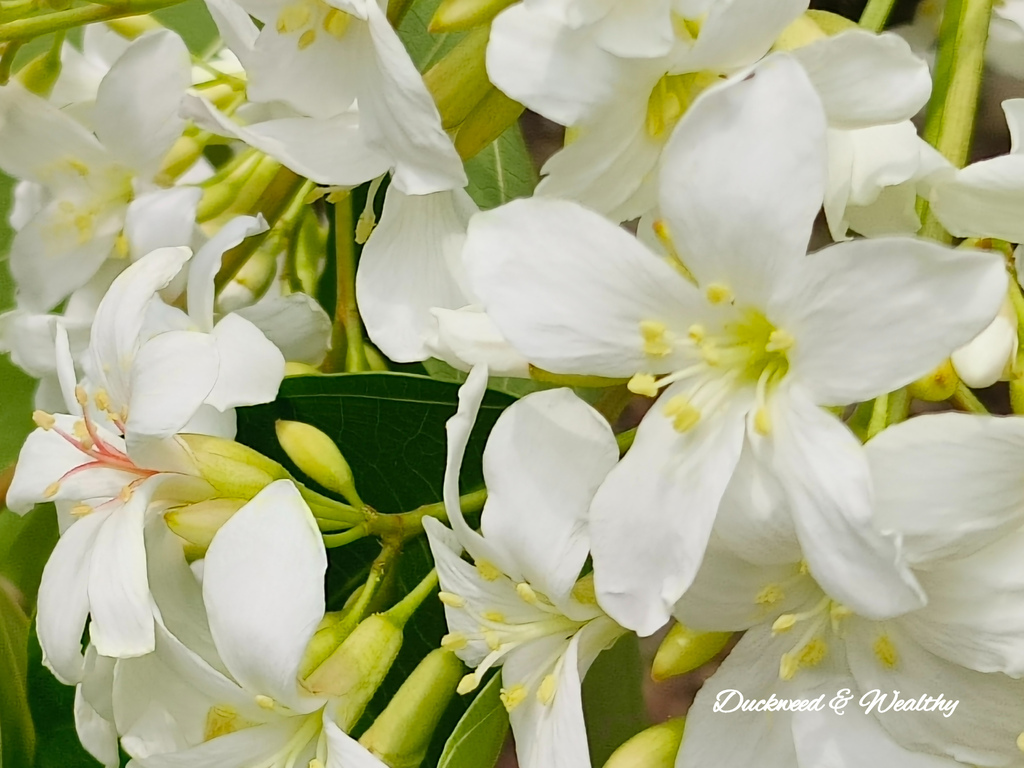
{"x": 744, "y": 334}
{"x": 522, "y": 605}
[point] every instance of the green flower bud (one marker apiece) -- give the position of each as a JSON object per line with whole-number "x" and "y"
{"x": 460, "y": 15}
{"x": 318, "y": 457}
{"x": 328, "y": 637}
{"x": 356, "y": 669}
{"x": 937, "y": 386}
{"x": 40, "y": 74}
{"x": 197, "y": 523}
{"x": 489, "y": 119}
{"x": 654, "y": 748}
{"x": 401, "y": 734}
{"x": 458, "y": 82}
{"x": 683, "y": 650}
{"x": 235, "y": 471}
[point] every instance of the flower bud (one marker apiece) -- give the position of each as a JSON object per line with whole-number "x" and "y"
{"x": 354, "y": 672}
{"x": 460, "y": 15}
{"x": 40, "y": 74}
{"x": 683, "y": 650}
{"x": 197, "y": 523}
{"x": 318, "y": 457}
{"x": 489, "y": 119}
{"x": 989, "y": 357}
{"x": 328, "y": 637}
{"x": 402, "y": 732}
{"x": 654, "y": 748}
{"x": 937, "y": 386}
{"x": 458, "y": 82}
{"x": 235, "y": 471}
{"x": 132, "y": 27}
{"x": 811, "y": 27}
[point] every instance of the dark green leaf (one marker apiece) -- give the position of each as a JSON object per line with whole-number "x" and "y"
{"x": 503, "y": 171}
{"x": 613, "y": 699}
{"x": 477, "y": 740}
{"x": 29, "y": 550}
{"x": 425, "y": 48}
{"x": 18, "y": 740}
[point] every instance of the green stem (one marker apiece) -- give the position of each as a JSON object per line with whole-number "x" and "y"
{"x": 876, "y": 14}
{"x": 26, "y": 29}
{"x": 879, "y": 416}
{"x": 332, "y": 540}
{"x": 403, "y": 610}
{"x": 899, "y": 406}
{"x": 7, "y": 60}
{"x": 346, "y": 312}
{"x": 404, "y": 526}
{"x": 954, "y": 103}
{"x": 965, "y": 400}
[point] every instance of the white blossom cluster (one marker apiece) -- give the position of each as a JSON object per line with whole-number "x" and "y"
{"x": 664, "y": 252}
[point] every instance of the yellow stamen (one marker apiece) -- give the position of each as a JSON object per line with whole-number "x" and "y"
{"x": 496, "y": 616}
{"x": 306, "y": 39}
{"x": 643, "y": 384}
{"x": 583, "y": 590}
{"x": 264, "y": 702}
{"x": 656, "y": 341}
{"x": 527, "y": 593}
{"x": 718, "y": 293}
{"x": 126, "y": 494}
{"x": 43, "y": 419}
{"x": 1020, "y": 742}
{"x": 80, "y": 396}
{"x": 813, "y": 653}
{"x": 682, "y": 412}
{"x": 336, "y": 23}
{"x": 885, "y": 651}
{"x": 488, "y": 571}
{"x": 779, "y": 341}
{"x": 546, "y": 692}
{"x": 512, "y": 697}
{"x": 451, "y": 600}
{"x": 762, "y": 421}
{"x": 784, "y": 623}
{"x": 770, "y": 595}
{"x": 789, "y": 665}
{"x": 292, "y": 18}
{"x": 455, "y": 641}
{"x": 51, "y": 490}
{"x": 80, "y": 510}
{"x": 493, "y": 639}
{"x": 467, "y": 684}
{"x": 102, "y": 399}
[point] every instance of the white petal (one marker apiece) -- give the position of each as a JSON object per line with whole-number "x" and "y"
{"x": 263, "y": 587}
{"x": 63, "y": 603}
{"x": 345, "y": 752}
{"x": 399, "y": 116}
{"x": 984, "y": 361}
{"x": 327, "y": 151}
{"x": 983, "y": 200}
{"x": 467, "y": 337}
{"x": 161, "y": 219}
{"x": 241, "y": 749}
{"x": 566, "y": 449}
{"x": 651, "y": 519}
{"x": 119, "y": 318}
{"x": 824, "y": 471}
{"x": 983, "y": 729}
{"x": 296, "y": 325}
{"x": 948, "y": 483}
{"x": 97, "y": 734}
{"x": 866, "y": 79}
{"x": 206, "y": 264}
{"x": 736, "y": 33}
{"x": 637, "y": 29}
{"x": 870, "y": 316}
{"x": 251, "y": 367}
{"x": 137, "y": 116}
{"x": 172, "y": 374}
{"x": 589, "y": 283}
{"x": 235, "y": 27}
{"x": 411, "y": 264}
{"x": 121, "y": 606}
{"x": 764, "y": 135}
{"x": 553, "y": 69}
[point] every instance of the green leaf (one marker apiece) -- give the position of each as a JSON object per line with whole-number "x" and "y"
{"x": 503, "y": 171}
{"x": 29, "y": 550}
{"x": 18, "y": 740}
{"x": 477, "y": 740}
{"x": 613, "y": 699}
{"x": 425, "y": 48}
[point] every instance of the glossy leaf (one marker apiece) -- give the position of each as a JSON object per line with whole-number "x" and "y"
{"x": 477, "y": 740}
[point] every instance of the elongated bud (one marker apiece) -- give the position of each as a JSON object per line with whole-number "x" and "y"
{"x": 40, "y": 74}
{"x": 183, "y": 155}
{"x": 458, "y": 82}
{"x": 316, "y": 455}
{"x": 654, "y": 748}
{"x": 354, "y": 672}
{"x": 198, "y": 523}
{"x": 234, "y": 470}
{"x": 683, "y": 650}
{"x": 401, "y": 734}
{"x": 331, "y": 633}
{"x": 495, "y": 113}
{"x": 938, "y": 385}
{"x": 460, "y": 15}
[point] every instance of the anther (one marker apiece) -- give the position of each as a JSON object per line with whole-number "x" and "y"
{"x": 643, "y": 384}
{"x": 451, "y": 600}
{"x": 682, "y": 412}
{"x": 80, "y": 395}
{"x": 455, "y": 641}
{"x": 885, "y": 651}
{"x": 655, "y": 336}
{"x": 306, "y": 39}
{"x": 80, "y": 510}
{"x": 718, "y": 293}
{"x": 784, "y": 623}
{"x": 492, "y": 638}
{"x": 788, "y": 666}
{"x": 527, "y": 593}
{"x": 770, "y": 595}
{"x": 126, "y": 494}
{"x": 779, "y": 341}
{"x": 762, "y": 421}
{"x": 264, "y": 702}
{"x": 102, "y": 399}
{"x": 488, "y": 570}
{"x": 496, "y": 616}
{"x": 546, "y": 692}
{"x": 336, "y": 23}
{"x": 512, "y": 697}
{"x": 43, "y": 419}
{"x": 51, "y": 490}
{"x": 467, "y": 684}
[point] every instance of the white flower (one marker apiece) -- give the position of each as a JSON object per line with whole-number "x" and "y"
{"x": 520, "y": 606}
{"x": 949, "y": 485}
{"x": 747, "y": 357}
{"x": 89, "y": 179}
{"x": 309, "y": 64}
{"x": 240, "y": 705}
{"x": 412, "y": 288}
{"x": 991, "y": 356}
